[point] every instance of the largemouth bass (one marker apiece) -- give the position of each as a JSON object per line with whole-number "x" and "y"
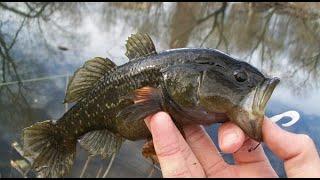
{"x": 195, "y": 86}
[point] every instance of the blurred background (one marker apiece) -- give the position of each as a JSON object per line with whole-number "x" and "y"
{"x": 42, "y": 44}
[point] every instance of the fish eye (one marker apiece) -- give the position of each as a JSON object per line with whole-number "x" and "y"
{"x": 240, "y": 76}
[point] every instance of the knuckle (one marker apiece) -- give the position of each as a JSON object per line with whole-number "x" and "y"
{"x": 196, "y": 135}
{"x": 186, "y": 152}
{"x": 178, "y": 173}
{"x": 215, "y": 168}
{"x": 169, "y": 150}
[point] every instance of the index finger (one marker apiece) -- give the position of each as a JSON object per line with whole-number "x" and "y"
{"x": 174, "y": 154}
{"x": 205, "y": 150}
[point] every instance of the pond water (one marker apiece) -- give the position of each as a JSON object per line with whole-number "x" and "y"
{"x": 42, "y": 44}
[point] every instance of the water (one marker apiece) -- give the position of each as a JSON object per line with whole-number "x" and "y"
{"x": 50, "y": 41}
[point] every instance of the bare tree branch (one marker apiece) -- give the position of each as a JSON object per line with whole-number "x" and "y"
{"x": 210, "y": 32}
{"x": 21, "y": 13}
{"x": 3, "y": 66}
{"x": 5, "y": 54}
{"x": 306, "y": 62}
{"x": 222, "y": 8}
{"x": 16, "y": 34}
{"x": 221, "y": 35}
{"x": 262, "y": 36}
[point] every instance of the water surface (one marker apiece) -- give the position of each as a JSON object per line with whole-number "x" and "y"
{"x": 51, "y": 40}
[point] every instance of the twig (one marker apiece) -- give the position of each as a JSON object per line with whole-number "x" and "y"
{"x": 100, "y": 170}
{"x": 5, "y": 54}
{"x": 66, "y": 104}
{"x": 29, "y": 6}
{"x": 85, "y": 165}
{"x": 210, "y": 32}
{"x": 109, "y": 166}
{"x": 16, "y": 35}
{"x": 151, "y": 172}
{"x": 261, "y": 38}
{"x": 221, "y": 36}
{"x": 314, "y": 58}
{"x": 35, "y": 79}
{"x": 222, "y": 8}
{"x": 21, "y": 13}
{"x": 200, "y": 21}
{"x": 3, "y": 68}
{"x": 154, "y": 165}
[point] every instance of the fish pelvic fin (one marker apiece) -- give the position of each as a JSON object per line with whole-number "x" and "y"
{"x": 51, "y": 152}
{"x": 101, "y": 142}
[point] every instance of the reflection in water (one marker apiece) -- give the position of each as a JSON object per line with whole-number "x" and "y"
{"x": 46, "y": 39}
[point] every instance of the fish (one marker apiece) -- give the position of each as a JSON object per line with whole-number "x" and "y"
{"x": 193, "y": 85}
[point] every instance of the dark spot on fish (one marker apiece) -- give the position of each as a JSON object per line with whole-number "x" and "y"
{"x": 218, "y": 65}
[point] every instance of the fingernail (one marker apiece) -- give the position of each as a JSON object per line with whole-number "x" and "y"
{"x": 147, "y": 121}
{"x": 229, "y": 139}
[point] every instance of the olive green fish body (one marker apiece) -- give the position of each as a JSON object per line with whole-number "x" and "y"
{"x": 110, "y": 95}
{"x": 195, "y": 86}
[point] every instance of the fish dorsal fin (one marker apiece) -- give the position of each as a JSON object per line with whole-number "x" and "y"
{"x": 86, "y": 76}
{"x": 101, "y": 142}
{"x": 139, "y": 45}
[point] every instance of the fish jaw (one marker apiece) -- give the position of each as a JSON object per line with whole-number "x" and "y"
{"x": 263, "y": 94}
{"x": 249, "y": 115}
{"x": 248, "y": 121}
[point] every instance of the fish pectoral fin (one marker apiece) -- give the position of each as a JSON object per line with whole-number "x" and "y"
{"x": 52, "y": 154}
{"x": 85, "y": 77}
{"x": 101, "y": 142}
{"x": 139, "y": 45}
{"x": 147, "y": 101}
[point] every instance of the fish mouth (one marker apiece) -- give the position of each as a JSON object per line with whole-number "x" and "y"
{"x": 249, "y": 116}
{"x": 263, "y": 94}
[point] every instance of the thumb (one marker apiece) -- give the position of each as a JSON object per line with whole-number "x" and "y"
{"x": 298, "y": 151}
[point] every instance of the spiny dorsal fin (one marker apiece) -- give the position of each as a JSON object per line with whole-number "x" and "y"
{"x": 86, "y": 76}
{"x": 101, "y": 142}
{"x": 139, "y": 45}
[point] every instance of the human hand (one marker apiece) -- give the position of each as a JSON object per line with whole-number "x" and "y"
{"x": 197, "y": 156}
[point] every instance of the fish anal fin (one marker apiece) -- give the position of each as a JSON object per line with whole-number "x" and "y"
{"x": 139, "y": 45}
{"x": 85, "y": 77}
{"x": 101, "y": 142}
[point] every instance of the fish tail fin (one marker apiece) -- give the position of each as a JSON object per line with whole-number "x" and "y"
{"x": 52, "y": 153}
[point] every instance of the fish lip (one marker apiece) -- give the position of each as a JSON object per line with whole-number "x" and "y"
{"x": 263, "y": 94}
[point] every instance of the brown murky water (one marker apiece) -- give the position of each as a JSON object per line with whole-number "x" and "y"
{"x": 41, "y": 44}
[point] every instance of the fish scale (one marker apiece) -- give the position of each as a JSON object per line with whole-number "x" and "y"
{"x": 124, "y": 83}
